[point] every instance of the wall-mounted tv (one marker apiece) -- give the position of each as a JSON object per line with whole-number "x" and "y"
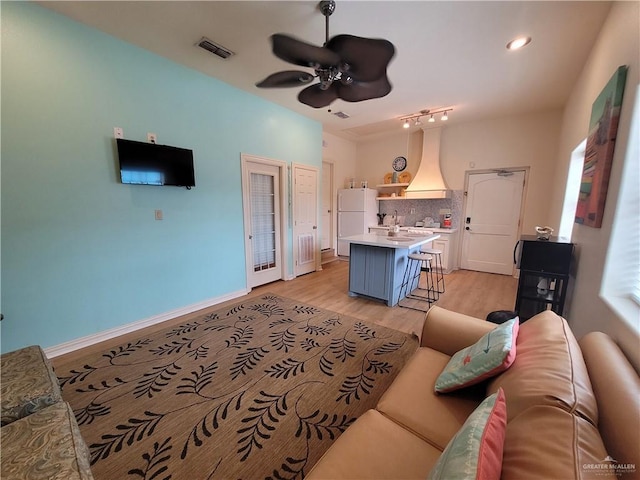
{"x": 151, "y": 164}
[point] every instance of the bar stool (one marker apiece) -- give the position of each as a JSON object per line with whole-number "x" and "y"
{"x": 410, "y": 287}
{"x": 437, "y": 266}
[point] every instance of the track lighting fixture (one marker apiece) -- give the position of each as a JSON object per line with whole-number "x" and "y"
{"x": 423, "y": 113}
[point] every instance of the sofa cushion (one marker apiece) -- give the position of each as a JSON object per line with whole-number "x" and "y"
{"x": 45, "y": 445}
{"x": 375, "y": 447}
{"x": 548, "y": 442}
{"x": 548, "y": 370}
{"x": 616, "y": 386}
{"x": 475, "y": 452}
{"x": 492, "y": 354}
{"x": 412, "y": 402}
{"x": 28, "y": 383}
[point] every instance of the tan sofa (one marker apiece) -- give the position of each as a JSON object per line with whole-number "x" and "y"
{"x": 572, "y": 408}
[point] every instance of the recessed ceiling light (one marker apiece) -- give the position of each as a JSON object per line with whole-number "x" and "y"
{"x": 518, "y": 43}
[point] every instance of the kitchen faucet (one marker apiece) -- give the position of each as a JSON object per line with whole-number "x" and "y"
{"x": 396, "y": 217}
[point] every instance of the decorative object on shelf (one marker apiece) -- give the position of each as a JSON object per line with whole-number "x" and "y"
{"x": 399, "y": 164}
{"x": 544, "y": 233}
{"x": 598, "y": 155}
{"x": 350, "y": 68}
{"x": 394, "y": 177}
{"x": 388, "y": 177}
{"x": 423, "y": 113}
{"x": 364, "y": 184}
{"x": 405, "y": 177}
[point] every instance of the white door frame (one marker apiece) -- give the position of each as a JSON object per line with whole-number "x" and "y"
{"x": 467, "y": 173}
{"x": 284, "y": 195}
{"x": 330, "y": 233}
{"x": 317, "y": 253}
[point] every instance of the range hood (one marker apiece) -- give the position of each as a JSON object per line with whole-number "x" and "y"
{"x": 428, "y": 181}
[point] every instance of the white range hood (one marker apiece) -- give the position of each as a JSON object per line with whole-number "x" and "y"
{"x": 428, "y": 181}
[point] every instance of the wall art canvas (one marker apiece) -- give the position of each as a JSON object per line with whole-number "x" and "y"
{"x": 603, "y": 128}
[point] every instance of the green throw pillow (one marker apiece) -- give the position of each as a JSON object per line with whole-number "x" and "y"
{"x": 475, "y": 452}
{"x": 492, "y": 354}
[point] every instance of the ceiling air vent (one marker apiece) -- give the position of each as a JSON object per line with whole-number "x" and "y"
{"x": 342, "y": 115}
{"x": 214, "y": 48}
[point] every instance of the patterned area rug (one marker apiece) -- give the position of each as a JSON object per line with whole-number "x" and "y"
{"x": 258, "y": 390}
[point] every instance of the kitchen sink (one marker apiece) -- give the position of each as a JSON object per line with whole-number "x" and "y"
{"x": 401, "y": 239}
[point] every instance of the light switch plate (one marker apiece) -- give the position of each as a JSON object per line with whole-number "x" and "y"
{"x": 118, "y": 132}
{"x": 152, "y": 138}
{"x": 158, "y": 214}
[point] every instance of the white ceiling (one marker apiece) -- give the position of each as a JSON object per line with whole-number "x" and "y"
{"x": 448, "y": 53}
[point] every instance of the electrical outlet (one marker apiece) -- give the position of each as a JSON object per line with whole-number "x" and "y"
{"x": 158, "y": 214}
{"x": 413, "y": 211}
{"x": 152, "y": 137}
{"x": 118, "y": 132}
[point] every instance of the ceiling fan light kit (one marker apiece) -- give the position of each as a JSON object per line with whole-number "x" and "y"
{"x": 350, "y": 68}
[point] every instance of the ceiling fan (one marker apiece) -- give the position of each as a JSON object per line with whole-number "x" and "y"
{"x": 351, "y": 68}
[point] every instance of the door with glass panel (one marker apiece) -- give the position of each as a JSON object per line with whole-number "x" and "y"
{"x": 262, "y": 214}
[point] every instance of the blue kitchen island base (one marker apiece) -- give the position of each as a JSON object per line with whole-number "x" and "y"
{"x": 377, "y": 272}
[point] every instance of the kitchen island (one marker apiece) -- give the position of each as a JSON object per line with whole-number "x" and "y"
{"x": 377, "y": 264}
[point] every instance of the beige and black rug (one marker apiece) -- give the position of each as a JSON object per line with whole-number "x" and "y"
{"x": 258, "y": 390}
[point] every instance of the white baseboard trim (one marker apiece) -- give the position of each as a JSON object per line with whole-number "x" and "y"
{"x": 89, "y": 340}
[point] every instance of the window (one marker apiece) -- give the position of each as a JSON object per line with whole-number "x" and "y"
{"x": 621, "y": 280}
{"x": 570, "y": 204}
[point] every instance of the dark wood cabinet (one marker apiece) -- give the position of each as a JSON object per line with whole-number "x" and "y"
{"x": 545, "y": 273}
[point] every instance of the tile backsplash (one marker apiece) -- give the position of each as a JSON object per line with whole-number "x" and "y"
{"x": 426, "y": 208}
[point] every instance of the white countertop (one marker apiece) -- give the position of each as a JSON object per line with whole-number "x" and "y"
{"x": 402, "y": 240}
{"x": 426, "y": 230}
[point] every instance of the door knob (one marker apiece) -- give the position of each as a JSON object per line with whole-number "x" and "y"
{"x": 467, "y": 228}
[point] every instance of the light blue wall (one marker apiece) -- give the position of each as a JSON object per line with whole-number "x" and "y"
{"x": 82, "y": 253}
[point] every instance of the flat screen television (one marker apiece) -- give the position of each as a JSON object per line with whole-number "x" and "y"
{"x": 151, "y": 164}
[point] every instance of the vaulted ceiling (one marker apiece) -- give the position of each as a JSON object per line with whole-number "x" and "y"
{"x": 448, "y": 53}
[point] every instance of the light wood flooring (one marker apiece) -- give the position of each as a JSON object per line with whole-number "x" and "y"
{"x": 471, "y": 293}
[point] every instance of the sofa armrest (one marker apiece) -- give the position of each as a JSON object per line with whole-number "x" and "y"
{"x": 616, "y": 386}
{"x": 448, "y": 332}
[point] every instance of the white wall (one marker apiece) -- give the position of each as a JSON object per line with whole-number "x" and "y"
{"x": 524, "y": 140}
{"x": 516, "y": 141}
{"x": 342, "y": 154}
{"x": 617, "y": 44}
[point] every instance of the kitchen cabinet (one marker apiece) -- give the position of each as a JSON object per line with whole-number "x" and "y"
{"x": 446, "y": 243}
{"x": 369, "y": 271}
{"x": 442, "y": 244}
{"x": 545, "y": 273}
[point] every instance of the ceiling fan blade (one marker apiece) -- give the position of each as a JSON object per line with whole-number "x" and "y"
{"x": 288, "y": 78}
{"x": 360, "y": 91}
{"x": 315, "y": 97}
{"x": 367, "y": 58}
{"x": 301, "y": 53}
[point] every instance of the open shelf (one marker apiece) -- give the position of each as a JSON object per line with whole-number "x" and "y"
{"x": 397, "y": 189}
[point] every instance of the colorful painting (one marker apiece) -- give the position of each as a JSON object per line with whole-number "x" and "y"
{"x": 603, "y": 128}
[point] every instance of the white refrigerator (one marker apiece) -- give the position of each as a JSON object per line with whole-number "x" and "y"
{"x": 357, "y": 211}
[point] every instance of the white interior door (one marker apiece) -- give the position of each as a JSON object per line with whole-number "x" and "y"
{"x": 305, "y": 218}
{"x": 261, "y": 184}
{"x": 326, "y": 233}
{"x": 491, "y": 220}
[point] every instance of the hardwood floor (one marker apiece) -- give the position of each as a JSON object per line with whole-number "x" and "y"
{"x": 471, "y": 293}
